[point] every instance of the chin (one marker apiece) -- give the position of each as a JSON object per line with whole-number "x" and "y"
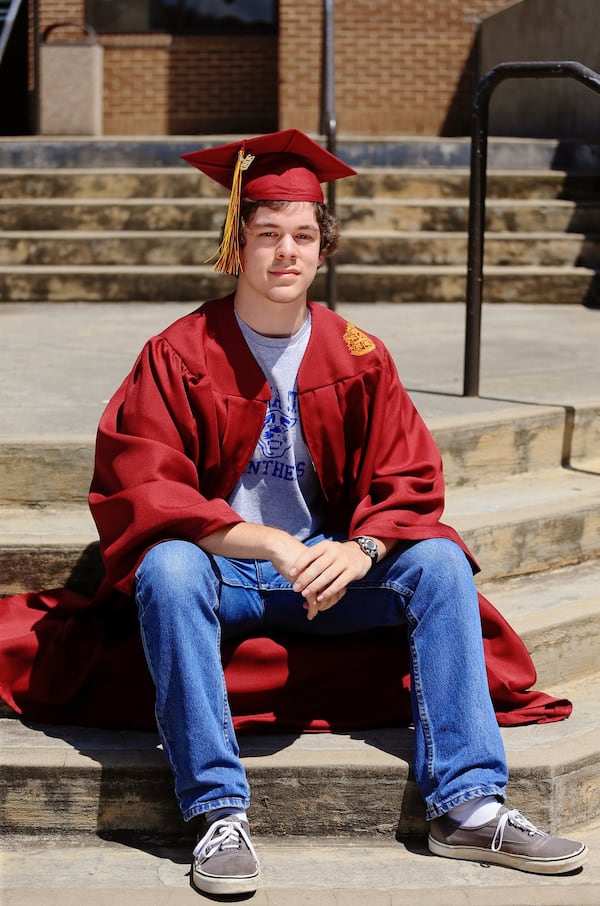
{"x": 286, "y": 294}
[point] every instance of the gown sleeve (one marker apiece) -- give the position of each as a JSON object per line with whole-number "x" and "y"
{"x": 147, "y": 486}
{"x": 401, "y": 488}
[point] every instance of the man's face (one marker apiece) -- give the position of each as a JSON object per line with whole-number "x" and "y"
{"x": 281, "y": 252}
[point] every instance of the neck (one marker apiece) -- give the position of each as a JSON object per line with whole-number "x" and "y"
{"x": 271, "y": 319}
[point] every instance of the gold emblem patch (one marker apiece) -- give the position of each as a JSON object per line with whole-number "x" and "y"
{"x": 357, "y": 342}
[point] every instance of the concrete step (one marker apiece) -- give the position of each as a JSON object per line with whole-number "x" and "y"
{"x": 425, "y": 182}
{"x": 532, "y": 285}
{"x": 518, "y": 526}
{"x": 195, "y": 247}
{"x": 436, "y": 247}
{"x": 528, "y": 524}
{"x": 113, "y": 214}
{"x": 502, "y": 284}
{"x": 52, "y": 469}
{"x": 557, "y": 614}
{"x": 452, "y": 214}
{"x": 48, "y": 547}
{"x": 205, "y": 213}
{"x": 67, "y": 779}
{"x": 42, "y": 152}
{"x": 180, "y": 181}
{"x": 325, "y": 871}
{"x": 532, "y": 355}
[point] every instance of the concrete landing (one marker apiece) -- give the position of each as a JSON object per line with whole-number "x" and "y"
{"x": 295, "y": 871}
{"x": 71, "y": 779}
{"x": 531, "y": 354}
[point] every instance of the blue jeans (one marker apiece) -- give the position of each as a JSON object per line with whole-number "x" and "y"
{"x": 188, "y": 601}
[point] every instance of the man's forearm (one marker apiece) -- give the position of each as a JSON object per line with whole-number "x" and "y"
{"x": 247, "y": 541}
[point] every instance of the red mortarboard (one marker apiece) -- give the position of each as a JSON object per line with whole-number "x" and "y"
{"x": 281, "y": 166}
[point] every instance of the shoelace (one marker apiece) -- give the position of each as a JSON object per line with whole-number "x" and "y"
{"x": 221, "y": 835}
{"x": 514, "y": 817}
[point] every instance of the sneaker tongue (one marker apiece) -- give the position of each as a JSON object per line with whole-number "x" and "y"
{"x": 232, "y": 841}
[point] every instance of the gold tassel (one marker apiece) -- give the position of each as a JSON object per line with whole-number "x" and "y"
{"x": 229, "y": 261}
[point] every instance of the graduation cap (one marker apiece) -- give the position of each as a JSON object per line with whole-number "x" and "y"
{"x": 281, "y": 166}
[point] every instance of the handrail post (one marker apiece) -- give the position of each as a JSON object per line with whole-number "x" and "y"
{"x": 329, "y": 127}
{"x": 475, "y": 246}
{"x": 479, "y": 137}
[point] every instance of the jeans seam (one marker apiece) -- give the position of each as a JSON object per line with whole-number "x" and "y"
{"x": 423, "y": 714}
{"x": 224, "y": 721}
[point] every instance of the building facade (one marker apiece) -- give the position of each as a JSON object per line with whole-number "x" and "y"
{"x": 209, "y": 67}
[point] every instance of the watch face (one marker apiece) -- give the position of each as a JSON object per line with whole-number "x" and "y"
{"x": 368, "y": 546}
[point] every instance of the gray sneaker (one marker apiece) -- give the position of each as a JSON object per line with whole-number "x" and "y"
{"x": 510, "y": 840}
{"x": 224, "y": 860}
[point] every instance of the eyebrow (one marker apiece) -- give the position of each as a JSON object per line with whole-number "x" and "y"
{"x": 261, "y": 224}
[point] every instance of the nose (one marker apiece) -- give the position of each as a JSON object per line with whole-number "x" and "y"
{"x": 286, "y": 247}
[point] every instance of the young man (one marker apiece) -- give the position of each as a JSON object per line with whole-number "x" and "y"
{"x": 262, "y": 469}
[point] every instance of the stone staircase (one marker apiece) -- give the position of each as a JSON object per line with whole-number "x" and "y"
{"x": 523, "y": 489}
{"x": 145, "y": 234}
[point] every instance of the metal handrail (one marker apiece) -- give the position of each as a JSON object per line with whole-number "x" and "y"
{"x": 477, "y": 190}
{"x": 329, "y": 128}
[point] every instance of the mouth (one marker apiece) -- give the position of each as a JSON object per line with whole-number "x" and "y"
{"x": 285, "y": 272}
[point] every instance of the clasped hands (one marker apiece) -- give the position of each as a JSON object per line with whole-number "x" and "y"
{"x": 322, "y": 572}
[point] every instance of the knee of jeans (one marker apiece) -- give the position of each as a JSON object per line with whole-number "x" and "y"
{"x": 171, "y": 564}
{"x": 440, "y": 555}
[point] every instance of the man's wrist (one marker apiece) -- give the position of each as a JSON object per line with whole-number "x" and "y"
{"x": 368, "y": 546}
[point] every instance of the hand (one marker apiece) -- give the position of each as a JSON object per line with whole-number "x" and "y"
{"x": 322, "y": 573}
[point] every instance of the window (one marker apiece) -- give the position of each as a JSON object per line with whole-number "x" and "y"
{"x": 183, "y": 16}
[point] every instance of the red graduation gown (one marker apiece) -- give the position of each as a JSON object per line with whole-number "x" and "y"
{"x": 172, "y": 443}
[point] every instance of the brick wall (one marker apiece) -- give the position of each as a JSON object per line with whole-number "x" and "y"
{"x": 157, "y": 84}
{"x": 402, "y": 67}
{"x": 165, "y": 84}
{"x": 52, "y": 11}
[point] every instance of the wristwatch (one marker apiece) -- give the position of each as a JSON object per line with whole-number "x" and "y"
{"x": 368, "y": 547}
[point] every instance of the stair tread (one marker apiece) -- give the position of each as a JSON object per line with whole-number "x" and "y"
{"x": 553, "y": 594}
{"x": 48, "y": 525}
{"x": 553, "y": 491}
{"x": 295, "y": 870}
{"x": 575, "y": 740}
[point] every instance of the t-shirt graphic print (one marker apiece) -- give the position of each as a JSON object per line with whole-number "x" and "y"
{"x": 280, "y": 487}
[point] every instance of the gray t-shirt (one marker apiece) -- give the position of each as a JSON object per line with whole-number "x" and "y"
{"x": 280, "y": 487}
